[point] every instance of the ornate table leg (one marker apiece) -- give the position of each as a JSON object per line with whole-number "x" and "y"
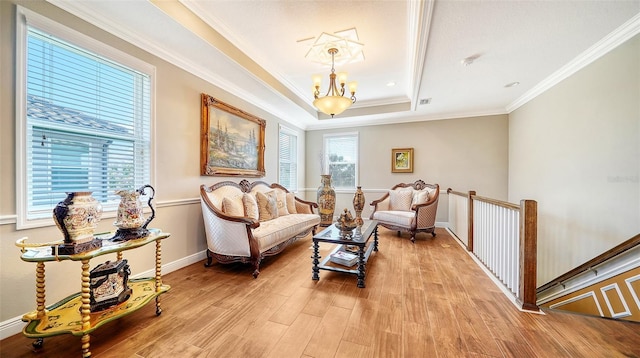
{"x": 375, "y": 239}
{"x": 40, "y": 290}
{"x": 40, "y": 300}
{"x": 119, "y": 256}
{"x": 361, "y": 267}
{"x": 158, "y": 275}
{"x": 316, "y": 256}
{"x": 85, "y": 309}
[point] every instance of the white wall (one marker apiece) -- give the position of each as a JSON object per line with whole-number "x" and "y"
{"x": 177, "y": 173}
{"x": 576, "y": 150}
{"x": 463, "y": 154}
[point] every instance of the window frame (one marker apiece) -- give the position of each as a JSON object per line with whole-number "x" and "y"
{"x": 292, "y": 133}
{"x": 327, "y": 163}
{"x": 26, "y": 18}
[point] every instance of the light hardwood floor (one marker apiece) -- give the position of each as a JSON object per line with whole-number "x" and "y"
{"x": 424, "y": 300}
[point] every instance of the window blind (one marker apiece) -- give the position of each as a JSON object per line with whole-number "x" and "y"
{"x": 87, "y": 124}
{"x": 288, "y": 159}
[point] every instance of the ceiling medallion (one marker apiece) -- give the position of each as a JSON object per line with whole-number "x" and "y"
{"x": 334, "y": 101}
{"x": 347, "y": 43}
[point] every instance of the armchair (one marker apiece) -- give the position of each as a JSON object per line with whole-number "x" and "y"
{"x": 409, "y": 207}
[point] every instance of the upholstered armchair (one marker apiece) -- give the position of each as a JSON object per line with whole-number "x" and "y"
{"x": 408, "y": 207}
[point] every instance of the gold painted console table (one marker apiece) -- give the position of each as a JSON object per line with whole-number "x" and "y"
{"x": 73, "y": 315}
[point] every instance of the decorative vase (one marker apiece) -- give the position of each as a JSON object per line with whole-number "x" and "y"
{"x": 130, "y": 219}
{"x": 326, "y": 200}
{"x": 358, "y": 205}
{"x": 77, "y": 217}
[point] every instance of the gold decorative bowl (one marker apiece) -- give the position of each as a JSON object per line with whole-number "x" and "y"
{"x": 346, "y": 226}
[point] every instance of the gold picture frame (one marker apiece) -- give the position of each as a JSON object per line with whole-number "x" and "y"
{"x": 402, "y": 160}
{"x": 231, "y": 140}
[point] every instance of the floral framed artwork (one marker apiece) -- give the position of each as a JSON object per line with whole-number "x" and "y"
{"x": 231, "y": 140}
{"x": 402, "y": 160}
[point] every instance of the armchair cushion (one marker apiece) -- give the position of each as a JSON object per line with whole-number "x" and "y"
{"x": 401, "y": 218}
{"x": 400, "y": 199}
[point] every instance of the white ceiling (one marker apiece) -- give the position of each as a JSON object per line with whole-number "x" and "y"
{"x": 253, "y": 49}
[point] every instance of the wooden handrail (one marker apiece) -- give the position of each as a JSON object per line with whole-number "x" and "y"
{"x": 627, "y": 245}
{"x": 459, "y": 193}
{"x": 501, "y": 203}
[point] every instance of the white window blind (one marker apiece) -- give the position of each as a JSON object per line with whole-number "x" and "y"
{"x": 342, "y": 159}
{"x": 86, "y": 124}
{"x": 288, "y": 159}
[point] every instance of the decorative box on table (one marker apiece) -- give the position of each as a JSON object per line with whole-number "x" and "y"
{"x": 109, "y": 284}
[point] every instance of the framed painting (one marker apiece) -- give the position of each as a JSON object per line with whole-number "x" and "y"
{"x": 231, "y": 140}
{"x": 402, "y": 160}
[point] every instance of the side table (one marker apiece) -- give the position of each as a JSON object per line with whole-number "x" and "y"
{"x": 73, "y": 315}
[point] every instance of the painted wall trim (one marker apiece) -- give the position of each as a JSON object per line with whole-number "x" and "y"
{"x": 599, "y": 49}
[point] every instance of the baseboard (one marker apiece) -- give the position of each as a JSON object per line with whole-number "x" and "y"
{"x": 15, "y": 325}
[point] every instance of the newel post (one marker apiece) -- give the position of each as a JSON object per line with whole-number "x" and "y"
{"x": 528, "y": 254}
{"x": 470, "y": 220}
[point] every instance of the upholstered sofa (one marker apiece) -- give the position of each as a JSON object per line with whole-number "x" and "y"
{"x": 408, "y": 207}
{"x": 247, "y": 221}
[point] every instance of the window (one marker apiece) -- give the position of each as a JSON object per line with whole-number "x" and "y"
{"x": 288, "y": 158}
{"x": 84, "y": 119}
{"x": 342, "y": 159}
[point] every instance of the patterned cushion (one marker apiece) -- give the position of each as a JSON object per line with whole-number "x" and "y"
{"x": 232, "y": 207}
{"x": 281, "y": 200}
{"x": 400, "y": 199}
{"x": 250, "y": 206}
{"x": 267, "y": 206}
{"x": 291, "y": 203}
{"x": 420, "y": 197}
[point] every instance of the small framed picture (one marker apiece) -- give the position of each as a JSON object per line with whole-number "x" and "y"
{"x": 402, "y": 160}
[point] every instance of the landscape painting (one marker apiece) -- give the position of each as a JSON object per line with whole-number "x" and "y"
{"x": 232, "y": 141}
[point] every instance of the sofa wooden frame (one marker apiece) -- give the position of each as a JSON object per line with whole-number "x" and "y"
{"x": 255, "y": 255}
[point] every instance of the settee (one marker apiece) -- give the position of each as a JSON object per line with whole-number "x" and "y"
{"x": 408, "y": 207}
{"x": 247, "y": 221}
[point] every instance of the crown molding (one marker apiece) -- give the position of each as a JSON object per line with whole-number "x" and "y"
{"x": 84, "y": 11}
{"x": 601, "y": 48}
{"x": 420, "y": 15}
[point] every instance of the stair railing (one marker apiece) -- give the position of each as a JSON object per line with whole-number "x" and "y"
{"x": 503, "y": 236}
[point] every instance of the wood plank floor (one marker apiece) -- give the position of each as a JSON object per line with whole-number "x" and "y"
{"x": 423, "y": 300}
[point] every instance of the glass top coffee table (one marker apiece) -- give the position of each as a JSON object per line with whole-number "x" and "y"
{"x": 355, "y": 243}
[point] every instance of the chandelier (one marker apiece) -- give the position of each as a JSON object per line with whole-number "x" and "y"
{"x": 334, "y": 102}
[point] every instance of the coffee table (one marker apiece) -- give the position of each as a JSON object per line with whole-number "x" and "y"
{"x": 359, "y": 239}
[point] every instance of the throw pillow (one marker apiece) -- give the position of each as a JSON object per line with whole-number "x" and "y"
{"x": 231, "y": 207}
{"x": 281, "y": 200}
{"x": 267, "y": 206}
{"x": 250, "y": 206}
{"x": 291, "y": 203}
{"x": 420, "y": 197}
{"x": 400, "y": 199}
